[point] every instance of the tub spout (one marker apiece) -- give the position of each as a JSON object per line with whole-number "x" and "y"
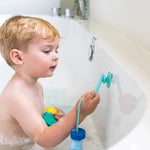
{"x": 81, "y": 8}
{"x": 92, "y": 47}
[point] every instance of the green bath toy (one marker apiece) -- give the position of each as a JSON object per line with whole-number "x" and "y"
{"x": 49, "y": 117}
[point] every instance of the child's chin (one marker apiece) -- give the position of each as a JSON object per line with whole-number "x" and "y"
{"x": 48, "y": 75}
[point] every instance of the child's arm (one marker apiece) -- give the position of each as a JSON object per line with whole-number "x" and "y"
{"x": 62, "y": 129}
{"x": 35, "y": 127}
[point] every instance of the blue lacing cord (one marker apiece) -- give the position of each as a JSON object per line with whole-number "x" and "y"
{"x": 78, "y": 115}
{"x": 101, "y": 78}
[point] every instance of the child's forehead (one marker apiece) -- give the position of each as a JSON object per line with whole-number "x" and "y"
{"x": 45, "y": 41}
{"x": 49, "y": 35}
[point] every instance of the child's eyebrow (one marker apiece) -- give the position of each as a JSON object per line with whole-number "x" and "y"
{"x": 49, "y": 45}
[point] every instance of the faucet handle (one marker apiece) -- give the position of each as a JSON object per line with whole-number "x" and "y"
{"x": 92, "y": 47}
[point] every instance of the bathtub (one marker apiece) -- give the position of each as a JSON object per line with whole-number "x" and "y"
{"x": 122, "y": 104}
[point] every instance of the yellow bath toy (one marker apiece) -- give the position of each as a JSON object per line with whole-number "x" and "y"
{"x": 48, "y": 116}
{"x": 51, "y": 109}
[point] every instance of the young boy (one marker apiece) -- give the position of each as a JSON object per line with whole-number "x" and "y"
{"x": 29, "y": 45}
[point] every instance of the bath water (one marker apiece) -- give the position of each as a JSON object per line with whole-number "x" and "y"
{"x": 91, "y": 142}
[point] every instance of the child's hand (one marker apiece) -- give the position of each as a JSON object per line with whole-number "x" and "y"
{"x": 89, "y": 104}
{"x": 59, "y": 113}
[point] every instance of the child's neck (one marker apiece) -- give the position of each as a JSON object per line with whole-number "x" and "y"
{"x": 25, "y": 78}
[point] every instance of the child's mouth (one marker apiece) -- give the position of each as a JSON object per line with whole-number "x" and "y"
{"x": 53, "y": 67}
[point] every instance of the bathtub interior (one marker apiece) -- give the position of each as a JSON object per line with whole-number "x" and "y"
{"x": 122, "y": 105}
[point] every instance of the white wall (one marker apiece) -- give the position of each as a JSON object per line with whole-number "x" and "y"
{"x": 27, "y": 6}
{"x": 129, "y": 17}
{"x": 66, "y": 4}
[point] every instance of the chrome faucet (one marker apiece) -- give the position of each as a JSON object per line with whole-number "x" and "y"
{"x": 92, "y": 47}
{"x": 81, "y": 8}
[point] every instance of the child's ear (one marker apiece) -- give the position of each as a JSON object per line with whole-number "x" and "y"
{"x": 16, "y": 56}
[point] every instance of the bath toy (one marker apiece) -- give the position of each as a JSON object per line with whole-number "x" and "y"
{"x": 102, "y": 79}
{"x": 49, "y": 117}
{"x": 51, "y": 109}
{"x": 76, "y": 139}
{"x": 78, "y": 134}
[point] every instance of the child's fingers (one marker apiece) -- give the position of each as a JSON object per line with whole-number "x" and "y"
{"x": 96, "y": 99}
{"x": 84, "y": 95}
{"x": 58, "y": 115}
{"x": 90, "y": 95}
{"x": 59, "y": 110}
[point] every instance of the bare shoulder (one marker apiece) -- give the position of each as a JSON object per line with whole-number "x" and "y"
{"x": 14, "y": 92}
{"x": 13, "y": 95}
{"x": 12, "y": 102}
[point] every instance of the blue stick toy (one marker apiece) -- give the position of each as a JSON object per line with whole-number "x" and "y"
{"x": 78, "y": 134}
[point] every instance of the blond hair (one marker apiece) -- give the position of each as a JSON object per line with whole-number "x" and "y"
{"x": 18, "y": 31}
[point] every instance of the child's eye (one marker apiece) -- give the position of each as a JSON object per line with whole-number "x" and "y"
{"x": 46, "y": 51}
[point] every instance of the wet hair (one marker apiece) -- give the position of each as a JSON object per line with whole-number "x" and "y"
{"x": 18, "y": 31}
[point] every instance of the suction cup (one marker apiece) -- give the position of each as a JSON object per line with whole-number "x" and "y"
{"x": 104, "y": 79}
{"x": 109, "y": 79}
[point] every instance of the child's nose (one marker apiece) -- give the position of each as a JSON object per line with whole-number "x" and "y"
{"x": 55, "y": 57}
